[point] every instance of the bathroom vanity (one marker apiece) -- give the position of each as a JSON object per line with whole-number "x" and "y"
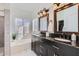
{"x": 50, "y": 46}
{"x": 59, "y": 43}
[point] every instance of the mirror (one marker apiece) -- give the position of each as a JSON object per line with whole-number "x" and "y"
{"x": 44, "y": 23}
{"x": 35, "y": 25}
{"x": 67, "y": 19}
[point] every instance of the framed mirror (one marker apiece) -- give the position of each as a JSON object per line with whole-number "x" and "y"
{"x": 43, "y": 22}
{"x": 66, "y": 18}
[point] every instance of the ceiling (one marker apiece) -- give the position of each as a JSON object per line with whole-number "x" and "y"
{"x": 30, "y": 9}
{"x": 30, "y": 6}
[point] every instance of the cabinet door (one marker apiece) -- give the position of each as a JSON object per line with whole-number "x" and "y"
{"x": 69, "y": 51}
{"x": 56, "y": 47}
{"x": 33, "y": 44}
{"x": 38, "y": 50}
{"x": 43, "y": 50}
{"x": 77, "y": 52}
{"x": 50, "y": 51}
{"x": 64, "y": 50}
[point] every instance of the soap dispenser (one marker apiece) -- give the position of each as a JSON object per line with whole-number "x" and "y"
{"x": 73, "y": 39}
{"x": 47, "y": 34}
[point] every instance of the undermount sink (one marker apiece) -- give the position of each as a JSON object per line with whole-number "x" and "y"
{"x": 62, "y": 40}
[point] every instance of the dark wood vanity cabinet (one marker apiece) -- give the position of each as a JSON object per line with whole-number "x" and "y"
{"x": 43, "y": 47}
{"x": 35, "y": 44}
{"x": 51, "y": 51}
{"x": 63, "y": 50}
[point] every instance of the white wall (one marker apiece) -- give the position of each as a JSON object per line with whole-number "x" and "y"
{"x": 16, "y": 12}
{"x": 51, "y": 19}
{"x": 4, "y": 6}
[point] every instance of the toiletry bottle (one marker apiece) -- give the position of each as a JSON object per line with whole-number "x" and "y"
{"x": 47, "y": 34}
{"x": 73, "y": 39}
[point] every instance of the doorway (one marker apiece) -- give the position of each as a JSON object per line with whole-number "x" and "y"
{"x": 1, "y": 35}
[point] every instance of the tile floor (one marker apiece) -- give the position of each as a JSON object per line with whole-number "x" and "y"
{"x": 1, "y": 51}
{"x": 26, "y": 53}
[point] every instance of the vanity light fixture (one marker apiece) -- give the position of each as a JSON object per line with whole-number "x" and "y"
{"x": 43, "y": 12}
{"x": 40, "y": 14}
{"x": 57, "y": 4}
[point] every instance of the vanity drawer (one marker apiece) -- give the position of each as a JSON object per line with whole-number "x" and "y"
{"x": 64, "y": 50}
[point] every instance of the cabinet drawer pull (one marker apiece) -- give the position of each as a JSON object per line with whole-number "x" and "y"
{"x": 55, "y": 47}
{"x": 41, "y": 46}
